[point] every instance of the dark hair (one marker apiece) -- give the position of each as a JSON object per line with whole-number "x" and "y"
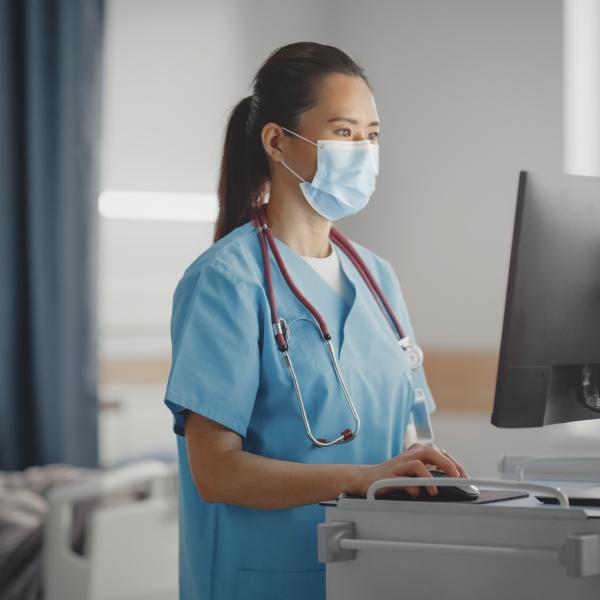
{"x": 284, "y": 87}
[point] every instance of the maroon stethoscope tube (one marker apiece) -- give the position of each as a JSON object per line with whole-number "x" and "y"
{"x": 344, "y": 243}
{"x": 280, "y": 327}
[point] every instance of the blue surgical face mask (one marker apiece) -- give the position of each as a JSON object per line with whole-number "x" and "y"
{"x": 345, "y": 177}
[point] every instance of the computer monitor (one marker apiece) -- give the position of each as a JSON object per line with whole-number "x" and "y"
{"x": 549, "y": 365}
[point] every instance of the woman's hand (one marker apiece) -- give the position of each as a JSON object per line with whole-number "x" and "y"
{"x": 413, "y": 461}
{"x": 460, "y": 468}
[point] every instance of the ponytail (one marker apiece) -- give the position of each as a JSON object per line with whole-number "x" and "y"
{"x": 284, "y": 87}
{"x": 236, "y": 182}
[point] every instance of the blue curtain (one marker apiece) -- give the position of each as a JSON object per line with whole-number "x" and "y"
{"x": 50, "y": 78}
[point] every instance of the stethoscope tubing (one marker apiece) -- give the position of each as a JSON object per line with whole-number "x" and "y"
{"x": 265, "y": 230}
{"x": 342, "y": 242}
{"x": 366, "y": 274}
{"x": 278, "y": 324}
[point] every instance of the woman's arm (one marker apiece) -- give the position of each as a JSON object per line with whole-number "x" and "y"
{"x": 223, "y": 472}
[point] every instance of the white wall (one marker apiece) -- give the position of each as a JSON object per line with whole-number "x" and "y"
{"x": 468, "y": 92}
{"x": 173, "y": 70}
{"x": 140, "y": 264}
{"x": 581, "y": 42}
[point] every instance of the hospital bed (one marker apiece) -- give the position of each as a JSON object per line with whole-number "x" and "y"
{"x": 130, "y": 543}
{"x": 130, "y": 548}
{"x": 519, "y": 548}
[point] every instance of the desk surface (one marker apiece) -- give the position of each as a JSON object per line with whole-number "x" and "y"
{"x": 592, "y": 512}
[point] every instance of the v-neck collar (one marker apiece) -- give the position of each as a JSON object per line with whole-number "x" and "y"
{"x": 348, "y": 269}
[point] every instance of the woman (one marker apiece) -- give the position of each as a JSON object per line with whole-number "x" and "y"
{"x": 250, "y": 477}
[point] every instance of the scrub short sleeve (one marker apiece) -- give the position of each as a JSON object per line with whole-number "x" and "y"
{"x": 399, "y": 305}
{"x": 215, "y": 349}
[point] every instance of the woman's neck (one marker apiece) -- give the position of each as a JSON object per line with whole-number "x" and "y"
{"x": 299, "y": 226}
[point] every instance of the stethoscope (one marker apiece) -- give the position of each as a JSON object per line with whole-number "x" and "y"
{"x": 281, "y": 332}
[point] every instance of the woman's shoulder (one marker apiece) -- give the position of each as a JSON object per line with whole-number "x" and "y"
{"x": 237, "y": 257}
{"x": 233, "y": 256}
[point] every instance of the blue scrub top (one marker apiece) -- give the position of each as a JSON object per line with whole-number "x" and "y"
{"x": 226, "y": 366}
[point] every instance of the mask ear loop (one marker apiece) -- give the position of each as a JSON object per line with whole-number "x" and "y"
{"x": 283, "y": 161}
{"x": 298, "y": 135}
{"x": 292, "y": 170}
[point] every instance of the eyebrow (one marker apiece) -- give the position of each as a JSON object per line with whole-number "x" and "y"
{"x": 353, "y": 121}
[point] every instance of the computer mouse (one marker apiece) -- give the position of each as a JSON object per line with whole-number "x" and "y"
{"x": 450, "y": 493}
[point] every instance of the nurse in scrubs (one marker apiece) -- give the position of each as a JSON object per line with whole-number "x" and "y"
{"x": 250, "y": 478}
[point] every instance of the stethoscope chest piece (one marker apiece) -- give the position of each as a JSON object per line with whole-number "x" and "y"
{"x": 415, "y": 356}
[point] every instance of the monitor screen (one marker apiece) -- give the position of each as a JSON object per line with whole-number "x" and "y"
{"x": 549, "y": 365}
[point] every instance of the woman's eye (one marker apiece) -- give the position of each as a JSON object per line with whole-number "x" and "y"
{"x": 346, "y": 132}
{"x": 345, "y": 129}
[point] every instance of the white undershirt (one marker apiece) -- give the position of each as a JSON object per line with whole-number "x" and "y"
{"x": 330, "y": 269}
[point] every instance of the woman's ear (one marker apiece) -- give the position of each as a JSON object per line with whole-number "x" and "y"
{"x": 273, "y": 139}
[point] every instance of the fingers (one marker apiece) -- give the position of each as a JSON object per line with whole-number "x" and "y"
{"x": 414, "y": 461}
{"x": 420, "y": 446}
{"x": 406, "y": 468}
{"x": 438, "y": 458}
{"x": 460, "y": 468}
{"x": 418, "y": 469}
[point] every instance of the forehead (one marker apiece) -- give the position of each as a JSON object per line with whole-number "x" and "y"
{"x": 341, "y": 95}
